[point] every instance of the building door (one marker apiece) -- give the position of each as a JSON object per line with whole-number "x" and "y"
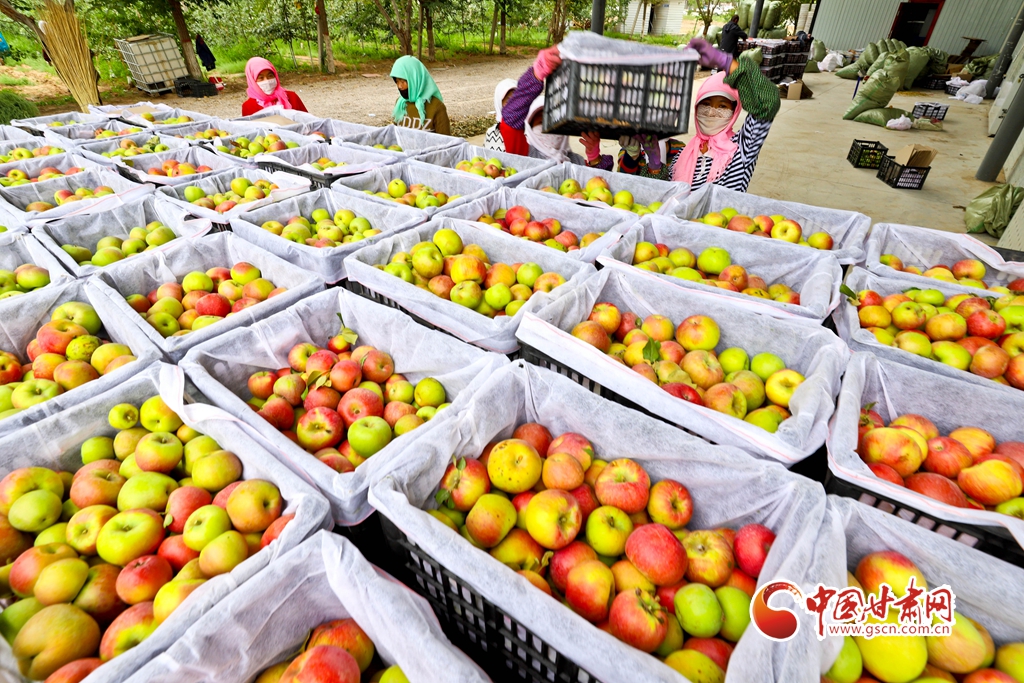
{"x": 914, "y": 22}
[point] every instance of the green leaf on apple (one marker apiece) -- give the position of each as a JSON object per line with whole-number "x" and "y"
{"x": 322, "y": 380}
{"x": 312, "y": 376}
{"x": 652, "y": 351}
{"x": 850, "y": 294}
{"x": 169, "y": 520}
{"x": 545, "y": 559}
{"x": 442, "y": 496}
{"x": 347, "y": 334}
{"x": 460, "y": 464}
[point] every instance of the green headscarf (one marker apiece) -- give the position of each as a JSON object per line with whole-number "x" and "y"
{"x": 421, "y": 86}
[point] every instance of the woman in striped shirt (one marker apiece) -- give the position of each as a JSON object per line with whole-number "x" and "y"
{"x": 716, "y": 154}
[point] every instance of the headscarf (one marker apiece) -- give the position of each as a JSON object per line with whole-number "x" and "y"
{"x": 720, "y": 145}
{"x": 421, "y": 86}
{"x": 253, "y": 68}
{"x": 553, "y": 147}
{"x": 502, "y": 89}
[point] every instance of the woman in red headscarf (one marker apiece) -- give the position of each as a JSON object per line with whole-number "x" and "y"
{"x": 717, "y": 153}
{"x": 264, "y": 89}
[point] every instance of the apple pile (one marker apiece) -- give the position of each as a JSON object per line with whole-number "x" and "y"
{"x": 417, "y": 195}
{"x": 968, "y": 273}
{"x": 99, "y": 558}
{"x": 169, "y": 121}
{"x": 66, "y": 196}
{"x": 963, "y": 331}
{"x": 65, "y": 353}
{"x": 393, "y": 148}
{"x": 242, "y": 191}
{"x": 966, "y": 469}
{"x": 208, "y": 134}
{"x": 485, "y": 168}
{"x": 102, "y": 133}
{"x": 599, "y": 537}
{"x": 713, "y": 261}
{"x": 518, "y": 221}
{"x": 968, "y": 653}
{"x": 16, "y": 176}
{"x": 111, "y": 249}
{"x": 464, "y": 275}
{"x": 336, "y": 651}
{"x": 682, "y": 361}
{"x": 201, "y": 299}
{"x": 24, "y": 153}
{"x": 58, "y": 124}
{"x": 321, "y": 230}
{"x": 244, "y": 148}
{"x": 776, "y": 226}
{"x": 598, "y": 190}
{"x": 343, "y": 403}
{"x": 130, "y": 148}
{"x": 25, "y": 278}
{"x": 171, "y": 168}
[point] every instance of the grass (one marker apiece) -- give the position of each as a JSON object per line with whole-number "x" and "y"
{"x": 10, "y": 80}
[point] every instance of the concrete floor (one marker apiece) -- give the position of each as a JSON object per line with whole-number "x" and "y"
{"x": 804, "y": 159}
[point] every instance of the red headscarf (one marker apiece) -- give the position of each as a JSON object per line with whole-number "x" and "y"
{"x": 720, "y": 145}
{"x": 253, "y": 68}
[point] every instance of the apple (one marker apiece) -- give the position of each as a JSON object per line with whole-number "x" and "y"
{"x": 657, "y": 553}
{"x": 130, "y": 628}
{"x": 751, "y": 547}
{"x": 607, "y": 529}
{"x": 636, "y": 618}
{"x": 323, "y": 662}
{"x": 53, "y": 637}
{"x": 346, "y": 634}
{"x": 710, "y": 559}
{"x": 623, "y": 484}
{"x": 553, "y": 517}
{"x": 889, "y": 567}
{"x": 514, "y": 466}
{"x": 698, "y": 610}
{"x": 669, "y": 503}
{"x": 590, "y": 590}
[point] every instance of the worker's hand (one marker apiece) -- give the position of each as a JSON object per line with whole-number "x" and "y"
{"x": 652, "y": 150}
{"x": 630, "y": 144}
{"x": 547, "y": 61}
{"x": 591, "y": 142}
{"x": 710, "y": 56}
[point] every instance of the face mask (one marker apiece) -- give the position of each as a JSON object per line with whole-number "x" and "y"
{"x": 267, "y": 86}
{"x": 712, "y": 120}
{"x": 404, "y": 93}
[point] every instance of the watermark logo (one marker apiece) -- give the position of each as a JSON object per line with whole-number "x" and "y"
{"x": 847, "y": 611}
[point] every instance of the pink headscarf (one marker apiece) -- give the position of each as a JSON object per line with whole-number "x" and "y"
{"x": 253, "y": 68}
{"x": 720, "y": 145}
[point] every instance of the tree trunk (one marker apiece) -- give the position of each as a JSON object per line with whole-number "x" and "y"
{"x": 324, "y": 39}
{"x": 419, "y": 35}
{"x": 494, "y": 27}
{"x": 187, "y": 51}
{"x": 556, "y": 29}
{"x": 430, "y": 34}
{"x": 504, "y": 22}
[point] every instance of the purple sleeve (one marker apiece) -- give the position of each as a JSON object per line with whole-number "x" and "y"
{"x": 513, "y": 114}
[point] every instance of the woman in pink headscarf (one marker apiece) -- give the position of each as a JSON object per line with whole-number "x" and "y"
{"x": 264, "y": 89}
{"x": 718, "y": 153}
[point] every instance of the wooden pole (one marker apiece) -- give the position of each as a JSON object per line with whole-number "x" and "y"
{"x": 494, "y": 27}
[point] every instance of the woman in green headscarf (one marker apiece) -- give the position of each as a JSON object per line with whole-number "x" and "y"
{"x": 419, "y": 104}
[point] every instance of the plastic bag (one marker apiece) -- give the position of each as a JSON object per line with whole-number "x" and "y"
{"x": 324, "y": 578}
{"x": 113, "y": 111}
{"x": 818, "y": 51}
{"x": 729, "y": 489}
{"x": 41, "y": 124}
{"x": 161, "y": 115}
{"x": 55, "y": 442}
{"x": 15, "y": 200}
{"x": 831, "y": 62}
{"x": 815, "y": 275}
{"x": 14, "y": 133}
{"x": 877, "y": 90}
{"x": 972, "y": 93}
{"x": 927, "y": 124}
{"x": 494, "y": 334}
{"x": 350, "y": 160}
{"x": 812, "y": 351}
{"x": 328, "y": 262}
{"x": 329, "y": 128}
{"x": 896, "y": 389}
{"x": 137, "y": 166}
{"x": 880, "y": 117}
{"x": 256, "y": 120}
{"x": 992, "y": 210}
{"x": 917, "y": 61}
{"x": 574, "y": 219}
{"x": 182, "y": 129}
{"x": 148, "y": 271}
{"x": 94, "y": 150}
{"x": 847, "y": 228}
{"x": 450, "y": 156}
{"x": 901, "y": 123}
{"x": 222, "y": 367}
{"x": 409, "y": 139}
{"x": 587, "y": 47}
{"x": 19, "y": 248}
{"x": 645, "y": 191}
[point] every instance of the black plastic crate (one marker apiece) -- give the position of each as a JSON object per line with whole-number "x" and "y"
{"x": 190, "y": 87}
{"x": 794, "y": 70}
{"x": 934, "y": 81}
{"x": 901, "y": 177}
{"x": 867, "y": 153}
{"x": 618, "y": 99}
{"x": 318, "y": 181}
{"x": 504, "y": 648}
{"x": 798, "y": 57}
{"x": 994, "y": 541}
{"x": 773, "y": 60}
{"x": 1010, "y": 254}
{"x": 376, "y": 297}
{"x": 952, "y": 89}
{"x": 930, "y": 110}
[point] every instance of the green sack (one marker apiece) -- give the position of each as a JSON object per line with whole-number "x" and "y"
{"x": 849, "y": 71}
{"x": 818, "y": 50}
{"x": 772, "y": 10}
{"x": 744, "y": 10}
{"x": 868, "y": 57}
{"x": 877, "y": 90}
{"x": 880, "y": 117}
{"x": 811, "y": 67}
{"x": 917, "y": 60}
{"x": 992, "y": 210}
{"x": 755, "y": 55}
{"x": 878, "y": 64}
{"x": 714, "y": 33}
{"x": 938, "y": 61}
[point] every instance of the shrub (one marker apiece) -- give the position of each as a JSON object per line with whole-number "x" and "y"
{"x": 14, "y": 106}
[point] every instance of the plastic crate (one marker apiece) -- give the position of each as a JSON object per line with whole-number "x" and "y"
{"x": 794, "y": 70}
{"x": 620, "y": 99}
{"x": 366, "y": 292}
{"x": 986, "y": 539}
{"x": 930, "y": 110}
{"x": 502, "y": 646}
{"x": 867, "y": 154}
{"x": 901, "y": 177}
{"x": 798, "y": 58}
{"x": 190, "y": 87}
{"x": 773, "y": 60}
{"x": 934, "y": 81}
{"x": 952, "y": 89}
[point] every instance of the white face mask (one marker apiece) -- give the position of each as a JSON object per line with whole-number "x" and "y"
{"x": 712, "y": 120}
{"x": 267, "y": 86}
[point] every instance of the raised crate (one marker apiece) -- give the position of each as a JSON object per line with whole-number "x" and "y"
{"x": 773, "y": 60}
{"x": 186, "y": 86}
{"x": 867, "y": 153}
{"x": 794, "y": 70}
{"x": 154, "y": 61}
{"x": 934, "y": 81}
{"x": 930, "y": 110}
{"x": 632, "y": 96}
{"x": 901, "y": 177}
{"x": 952, "y": 89}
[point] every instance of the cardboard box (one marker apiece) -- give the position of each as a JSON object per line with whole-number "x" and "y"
{"x": 794, "y": 90}
{"x": 918, "y": 156}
